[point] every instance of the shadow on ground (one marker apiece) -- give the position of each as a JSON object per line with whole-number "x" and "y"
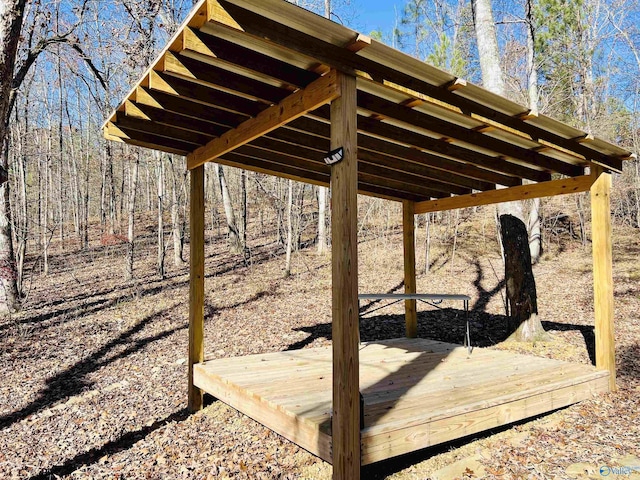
{"x": 125, "y": 442}
{"x": 72, "y": 381}
{"x": 445, "y": 325}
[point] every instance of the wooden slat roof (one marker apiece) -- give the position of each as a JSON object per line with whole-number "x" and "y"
{"x": 423, "y": 134}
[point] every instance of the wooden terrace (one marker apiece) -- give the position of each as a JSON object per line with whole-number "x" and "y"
{"x": 267, "y": 86}
{"x": 417, "y": 392}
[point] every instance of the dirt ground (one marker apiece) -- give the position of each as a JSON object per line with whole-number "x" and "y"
{"x": 94, "y": 373}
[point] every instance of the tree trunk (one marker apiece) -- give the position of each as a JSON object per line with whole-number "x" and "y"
{"x": 176, "y": 230}
{"x": 232, "y": 226}
{"x": 455, "y": 241}
{"x": 148, "y": 184}
{"x": 493, "y": 80}
{"x": 44, "y": 219}
{"x": 323, "y": 191}
{"x": 11, "y": 17}
{"x": 243, "y": 199}
{"x": 427, "y": 242}
{"x": 85, "y": 196}
{"x": 489, "y": 54}
{"x": 535, "y": 231}
{"x": 24, "y": 221}
{"x": 532, "y": 68}
{"x": 111, "y": 187}
{"x": 287, "y": 269}
{"x": 161, "y": 249}
{"x": 523, "y": 321}
{"x": 298, "y": 225}
{"x": 133, "y": 186}
{"x": 9, "y": 297}
{"x": 121, "y": 201}
{"x": 74, "y": 176}
{"x": 61, "y": 155}
{"x": 103, "y": 187}
{"x": 48, "y": 210}
{"x": 322, "y": 219}
{"x": 533, "y": 224}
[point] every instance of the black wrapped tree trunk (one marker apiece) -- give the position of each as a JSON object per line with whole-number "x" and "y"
{"x": 523, "y": 322}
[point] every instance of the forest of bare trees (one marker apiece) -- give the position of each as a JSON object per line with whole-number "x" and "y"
{"x": 68, "y": 188}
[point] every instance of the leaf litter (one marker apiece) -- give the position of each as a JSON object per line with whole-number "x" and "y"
{"x": 94, "y": 371}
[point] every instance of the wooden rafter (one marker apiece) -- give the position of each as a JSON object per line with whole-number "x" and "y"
{"x": 205, "y": 72}
{"x": 132, "y": 123}
{"x": 233, "y": 59}
{"x": 467, "y": 155}
{"x": 363, "y": 65}
{"x": 373, "y": 162}
{"x": 182, "y": 87}
{"x": 200, "y": 42}
{"x": 148, "y": 139}
{"x": 319, "y": 92}
{"x": 172, "y": 119}
{"x": 522, "y": 192}
{"x": 390, "y": 147}
{"x": 388, "y": 169}
{"x": 458, "y": 133}
{"x": 188, "y": 108}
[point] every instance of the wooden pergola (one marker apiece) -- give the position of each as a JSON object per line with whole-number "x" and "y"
{"x": 267, "y": 86}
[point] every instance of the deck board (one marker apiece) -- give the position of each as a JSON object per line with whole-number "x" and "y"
{"x": 417, "y": 392}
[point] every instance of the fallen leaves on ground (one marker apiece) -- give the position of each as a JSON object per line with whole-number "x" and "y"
{"x": 94, "y": 372}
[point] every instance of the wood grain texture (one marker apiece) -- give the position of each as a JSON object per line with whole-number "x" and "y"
{"x": 295, "y": 105}
{"x": 417, "y": 119}
{"x": 196, "y": 283}
{"x": 417, "y": 392}
{"x": 344, "y": 259}
{"x": 199, "y": 42}
{"x": 286, "y": 26}
{"x": 243, "y": 55}
{"x": 603, "y": 273}
{"x": 522, "y": 192}
{"x": 409, "y": 245}
{"x": 261, "y": 408}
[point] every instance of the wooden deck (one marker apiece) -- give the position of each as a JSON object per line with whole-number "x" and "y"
{"x": 417, "y": 392}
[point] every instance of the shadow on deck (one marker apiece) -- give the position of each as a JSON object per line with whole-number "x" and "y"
{"x": 417, "y": 392}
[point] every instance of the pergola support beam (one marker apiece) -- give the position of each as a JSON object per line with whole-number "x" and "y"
{"x": 317, "y": 93}
{"x": 551, "y": 188}
{"x": 409, "y": 243}
{"x": 196, "y": 283}
{"x": 344, "y": 258}
{"x": 603, "y": 273}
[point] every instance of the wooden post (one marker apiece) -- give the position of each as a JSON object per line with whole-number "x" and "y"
{"x": 602, "y": 273}
{"x": 344, "y": 258}
{"x": 409, "y": 242}
{"x": 196, "y": 282}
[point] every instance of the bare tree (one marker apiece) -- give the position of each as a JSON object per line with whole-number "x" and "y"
{"x": 232, "y": 226}
{"x": 11, "y": 18}
{"x": 534, "y": 220}
{"x": 131, "y": 210}
{"x": 177, "y": 198}
{"x": 245, "y": 211}
{"x": 323, "y": 191}
{"x": 161, "y": 247}
{"x": 521, "y": 290}
{"x": 287, "y": 269}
